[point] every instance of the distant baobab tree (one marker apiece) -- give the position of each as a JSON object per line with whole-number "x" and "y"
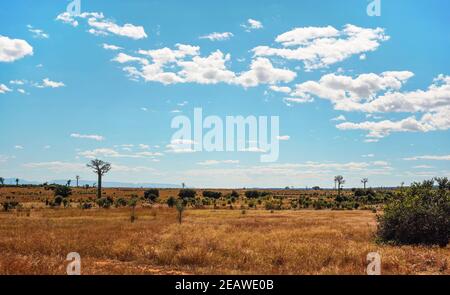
{"x": 2, "y": 180}
{"x": 69, "y": 182}
{"x": 77, "y": 178}
{"x": 100, "y": 168}
{"x": 339, "y": 179}
{"x": 17, "y": 181}
{"x": 183, "y": 185}
{"x": 364, "y": 181}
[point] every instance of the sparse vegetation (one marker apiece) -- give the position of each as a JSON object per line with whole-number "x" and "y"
{"x": 420, "y": 215}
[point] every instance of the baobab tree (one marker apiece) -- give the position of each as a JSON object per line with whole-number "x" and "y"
{"x": 69, "y": 182}
{"x": 2, "y": 180}
{"x": 100, "y": 168}
{"x": 364, "y": 181}
{"x": 77, "y": 178}
{"x": 339, "y": 179}
{"x": 17, "y": 181}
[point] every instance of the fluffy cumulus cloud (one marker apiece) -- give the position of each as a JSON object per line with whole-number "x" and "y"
{"x": 184, "y": 64}
{"x": 4, "y": 89}
{"x": 252, "y": 24}
{"x": 99, "y": 25}
{"x": 217, "y": 36}
{"x": 372, "y": 93}
{"x": 13, "y": 49}
{"x": 319, "y": 47}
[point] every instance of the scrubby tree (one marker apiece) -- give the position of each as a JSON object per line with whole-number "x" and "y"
{"x": 364, "y": 181}
{"x": 235, "y": 194}
{"x": 151, "y": 195}
{"x": 187, "y": 194}
{"x": 100, "y": 168}
{"x": 339, "y": 179}
{"x": 132, "y": 203}
{"x": 418, "y": 215}
{"x": 180, "y": 208}
{"x": 171, "y": 201}
{"x": 63, "y": 191}
{"x": 69, "y": 182}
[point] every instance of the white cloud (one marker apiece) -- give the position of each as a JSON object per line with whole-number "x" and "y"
{"x": 217, "y": 162}
{"x": 38, "y": 33}
{"x": 262, "y": 72}
{"x": 374, "y": 93}
{"x": 368, "y": 156}
{"x": 429, "y": 157}
{"x": 52, "y": 84}
{"x": 17, "y": 82}
{"x": 347, "y": 93}
{"x": 252, "y": 24}
{"x": 102, "y": 26}
{"x": 185, "y": 65}
{"x": 339, "y": 118}
{"x": 282, "y": 89}
{"x": 19, "y": 147}
{"x": 13, "y": 49}
{"x": 56, "y": 166}
{"x": 180, "y": 146}
{"x": 319, "y": 47}
{"x": 111, "y": 47}
{"x": 283, "y": 137}
{"x": 4, "y": 89}
{"x": 217, "y": 36}
{"x": 111, "y": 153}
{"x": 86, "y": 136}
{"x": 423, "y": 167}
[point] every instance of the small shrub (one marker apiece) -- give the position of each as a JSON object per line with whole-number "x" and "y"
{"x": 252, "y": 194}
{"x": 420, "y": 215}
{"x": 105, "y": 202}
{"x": 171, "y": 201}
{"x": 120, "y": 202}
{"x": 187, "y": 194}
{"x": 62, "y": 190}
{"x": 212, "y": 195}
{"x": 151, "y": 195}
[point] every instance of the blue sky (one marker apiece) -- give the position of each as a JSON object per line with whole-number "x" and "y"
{"x": 356, "y": 95}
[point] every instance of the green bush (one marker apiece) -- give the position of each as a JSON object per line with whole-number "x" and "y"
{"x": 151, "y": 195}
{"x": 120, "y": 202}
{"x": 105, "y": 202}
{"x": 171, "y": 201}
{"x": 212, "y": 195}
{"x": 252, "y": 194}
{"x": 419, "y": 215}
{"x": 62, "y": 190}
{"x": 187, "y": 194}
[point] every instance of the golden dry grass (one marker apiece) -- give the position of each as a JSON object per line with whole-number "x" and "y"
{"x": 208, "y": 242}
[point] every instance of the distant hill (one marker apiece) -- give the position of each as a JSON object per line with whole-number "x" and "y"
{"x": 90, "y": 182}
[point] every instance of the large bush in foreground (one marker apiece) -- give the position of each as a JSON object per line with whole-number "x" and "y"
{"x": 418, "y": 215}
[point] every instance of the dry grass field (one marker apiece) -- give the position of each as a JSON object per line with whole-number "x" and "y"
{"x": 37, "y": 239}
